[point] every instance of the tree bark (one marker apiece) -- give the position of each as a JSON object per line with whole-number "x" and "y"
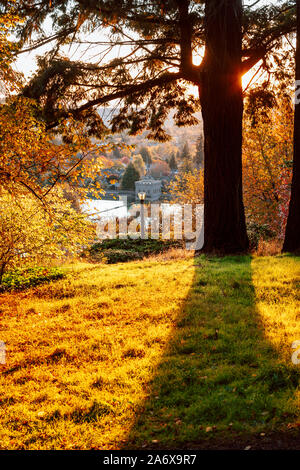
{"x": 292, "y": 233}
{"x": 222, "y": 109}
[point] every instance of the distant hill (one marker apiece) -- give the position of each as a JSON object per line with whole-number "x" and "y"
{"x": 179, "y": 135}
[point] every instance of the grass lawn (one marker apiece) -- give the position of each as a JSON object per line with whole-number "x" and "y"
{"x": 162, "y": 353}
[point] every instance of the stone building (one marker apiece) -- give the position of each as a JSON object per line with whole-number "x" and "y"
{"x": 150, "y": 186}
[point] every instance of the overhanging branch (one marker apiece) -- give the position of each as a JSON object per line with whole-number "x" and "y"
{"x": 126, "y": 91}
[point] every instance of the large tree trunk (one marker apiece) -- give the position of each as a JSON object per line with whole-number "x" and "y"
{"x": 292, "y": 233}
{"x": 222, "y": 109}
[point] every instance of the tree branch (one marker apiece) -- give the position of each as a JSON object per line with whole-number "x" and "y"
{"x": 128, "y": 90}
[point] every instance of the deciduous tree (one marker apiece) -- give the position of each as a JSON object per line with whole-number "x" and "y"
{"x": 28, "y": 233}
{"x": 267, "y": 159}
{"x": 188, "y": 188}
{"x": 9, "y": 78}
{"x": 34, "y": 160}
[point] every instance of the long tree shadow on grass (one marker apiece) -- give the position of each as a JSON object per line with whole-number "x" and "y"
{"x": 220, "y": 383}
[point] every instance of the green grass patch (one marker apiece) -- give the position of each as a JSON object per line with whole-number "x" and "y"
{"x": 29, "y": 277}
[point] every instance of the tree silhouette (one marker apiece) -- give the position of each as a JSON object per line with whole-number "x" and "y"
{"x": 292, "y": 234}
{"x": 159, "y": 40}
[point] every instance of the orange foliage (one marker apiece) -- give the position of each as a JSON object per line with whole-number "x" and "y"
{"x": 267, "y": 156}
{"x": 33, "y": 160}
{"x": 188, "y": 188}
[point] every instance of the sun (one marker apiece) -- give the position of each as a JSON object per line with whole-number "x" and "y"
{"x": 253, "y": 76}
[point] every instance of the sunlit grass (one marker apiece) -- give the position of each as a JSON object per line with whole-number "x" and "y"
{"x": 223, "y": 375}
{"x": 81, "y": 351}
{"x": 156, "y": 352}
{"x": 277, "y": 289}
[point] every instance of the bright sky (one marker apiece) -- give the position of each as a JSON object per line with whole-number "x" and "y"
{"x": 26, "y": 64}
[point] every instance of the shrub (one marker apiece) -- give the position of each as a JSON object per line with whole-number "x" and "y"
{"x": 256, "y": 232}
{"x": 121, "y": 250}
{"x": 30, "y": 232}
{"x": 25, "y": 278}
{"x": 120, "y": 256}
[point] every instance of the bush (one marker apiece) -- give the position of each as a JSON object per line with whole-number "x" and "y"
{"x": 257, "y": 232}
{"x": 122, "y": 250}
{"x": 30, "y": 231}
{"x": 120, "y": 256}
{"x": 25, "y": 278}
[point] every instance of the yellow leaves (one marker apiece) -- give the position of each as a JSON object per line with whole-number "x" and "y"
{"x": 188, "y": 187}
{"x": 27, "y": 228}
{"x": 34, "y": 157}
{"x": 10, "y": 79}
{"x": 266, "y": 150}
